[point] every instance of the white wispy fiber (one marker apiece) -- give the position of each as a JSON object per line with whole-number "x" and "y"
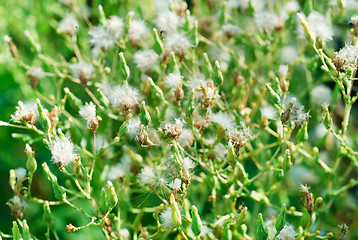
{"x": 146, "y": 59}
{"x": 68, "y": 25}
{"x": 186, "y": 137}
{"x": 62, "y": 150}
{"x": 115, "y": 26}
{"x": 175, "y": 184}
{"x": 188, "y": 164}
{"x": 287, "y": 233}
{"x": 168, "y": 22}
{"x": 294, "y": 112}
{"x": 346, "y": 57}
{"x": 224, "y": 119}
{"x": 25, "y": 113}
{"x": 266, "y": 21}
{"x": 121, "y": 95}
{"x": 230, "y": 30}
{"x": 269, "y": 112}
{"x": 173, "y": 80}
{"x": 147, "y": 176}
{"x": 81, "y": 70}
{"x": 318, "y": 25}
{"x": 166, "y": 218}
{"x": 36, "y": 72}
{"x": 88, "y": 112}
{"x": 133, "y": 127}
{"x": 100, "y": 39}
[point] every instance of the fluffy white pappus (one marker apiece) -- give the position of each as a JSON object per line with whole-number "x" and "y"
{"x": 346, "y": 57}
{"x": 25, "y": 113}
{"x": 133, "y": 127}
{"x": 283, "y": 70}
{"x": 287, "y": 233}
{"x": 318, "y": 25}
{"x": 81, "y": 70}
{"x": 20, "y": 173}
{"x": 188, "y": 164}
{"x": 68, "y": 25}
{"x": 121, "y": 95}
{"x": 186, "y": 137}
{"x": 167, "y": 22}
{"x": 289, "y": 54}
{"x": 230, "y": 30}
{"x": 175, "y": 184}
{"x": 224, "y": 119}
{"x": 146, "y": 59}
{"x": 115, "y": 26}
{"x": 88, "y": 112}
{"x": 120, "y": 169}
{"x": 222, "y": 56}
{"x": 347, "y": 4}
{"x": 7, "y": 38}
{"x": 173, "y": 80}
{"x": 293, "y": 112}
{"x": 137, "y": 30}
{"x": 266, "y": 21}
{"x": 269, "y": 112}
{"x": 287, "y": 9}
{"x": 35, "y": 72}
{"x": 177, "y": 43}
{"x": 166, "y": 218}
{"x": 220, "y": 150}
{"x": 147, "y": 176}
{"x": 321, "y": 94}
{"x": 101, "y": 38}
{"x": 62, "y": 150}
{"x": 124, "y": 234}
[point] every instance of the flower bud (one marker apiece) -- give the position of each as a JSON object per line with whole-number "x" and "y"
{"x": 157, "y": 91}
{"x": 13, "y": 48}
{"x": 44, "y": 119}
{"x": 218, "y": 77}
{"x": 176, "y": 217}
{"x": 240, "y": 219}
{"x": 196, "y": 225}
{"x": 111, "y": 196}
{"x": 12, "y": 179}
{"x": 187, "y": 21}
{"x": 193, "y": 34}
{"x": 31, "y": 163}
{"x": 302, "y": 134}
{"x": 207, "y": 68}
{"x": 274, "y": 97}
{"x": 173, "y": 65}
{"x": 261, "y": 232}
{"x": 310, "y": 36}
{"x": 144, "y": 115}
{"x": 25, "y": 231}
{"x": 326, "y": 116}
{"x": 281, "y": 220}
{"x": 75, "y": 102}
{"x": 48, "y": 216}
{"x": 102, "y": 18}
{"x": 57, "y": 189}
{"x": 16, "y": 235}
{"x": 190, "y": 106}
{"x": 123, "y": 67}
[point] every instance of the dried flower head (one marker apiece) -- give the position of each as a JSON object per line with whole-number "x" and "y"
{"x": 121, "y": 96}
{"x": 238, "y": 138}
{"x": 230, "y": 30}
{"x": 34, "y": 74}
{"x": 17, "y": 206}
{"x": 137, "y": 31}
{"x": 83, "y": 71}
{"x": 115, "y": 26}
{"x": 346, "y": 57}
{"x": 293, "y": 113}
{"x": 173, "y": 130}
{"x": 287, "y": 233}
{"x": 62, "y": 150}
{"x": 309, "y": 201}
{"x": 25, "y": 113}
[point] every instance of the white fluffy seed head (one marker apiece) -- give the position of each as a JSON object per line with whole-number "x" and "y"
{"x": 68, "y": 25}
{"x": 266, "y": 21}
{"x": 287, "y": 233}
{"x": 120, "y": 169}
{"x": 81, "y": 69}
{"x": 173, "y": 80}
{"x": 137, "y": 30}
{"x": 133, "y": 127}
{"x": 62, "y": 150}
{"x": 175, "y": 184}
{"x": 188, "y": 164}
{"x": 321, "y": 94}
{"x": 269, "y": 112}
{"x": 7, "y": 38}
{"x": 115, "y": 26}
{"x": 88, "y": 112}
{"x": 147, "y": 176}
{"x": 177, "y": 43}
{"x": 166, "y": 219}
{"x": 146, "y": 59}
{"x": 224, "y": 119}
{"x": 167, "y": 22}
{"x": 121, "y": 95}
{"x": 35, "y": 72}
{"x": 100, "y": 38}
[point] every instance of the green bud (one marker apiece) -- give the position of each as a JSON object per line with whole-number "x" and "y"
{"x": 22, "y": 137}
{"x": 307, "y": 8}
{"x": 16, "y": 232}
{"x": 231, "y": 156}
{"x": 123, "y": 67}
{"x": 281, "y": 220}
{"x": 144, "y": 115}
{"x": 193, "y": 34}
{"x": 251, "y": 9}
{"x": 274, "y": 97}
{"x": 25, "y": 231}
{"x": 261, "y": 232}
{"x": 287, "y": 161}
{"x": 74, "y": 101}
{"x": 12, "y": 179}
{"x": 176, "y": 216}
{"x": 157, "y": 91}
{"x": 31, "y": 163}
{"x": 57, "y": 189}
{"x": 158, "y": 43}
{"x": 227, "y": 234}
{"x": 302, "y": 134}
{"x": 128, "y": 20}
{"x": 242, "y": 216}
{"x": 48, "y": 216}
{"x": 223, "y": 16}
{"x": 318, "y": 201}
{"x": 187, "y": 21}
{"x": 111, "y": 196}
{"x": 44, "y": 120}
{"x": 196, "y": 225}
{"x": 218, "y": 77}
{"x": 207, "y": 68}
{"x": 35, "y": 45}
{"x": 102, "y": 17}
{"x": 123, "y": 129}
{"x": 103, "y": 201}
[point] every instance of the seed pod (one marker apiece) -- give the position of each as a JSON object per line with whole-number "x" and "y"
{"x": 123, "y": 66}
{"x": 144, "y": 115}
{"x": 281, "y": 220}
{"x": 261, "y": 232}
{"x": 31, "y": 163}
{"x": 44, "y": 119}
{"x": 196, "y": 225}
{"x": 176, "y": 217}
{"x": 302, "y": 134}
